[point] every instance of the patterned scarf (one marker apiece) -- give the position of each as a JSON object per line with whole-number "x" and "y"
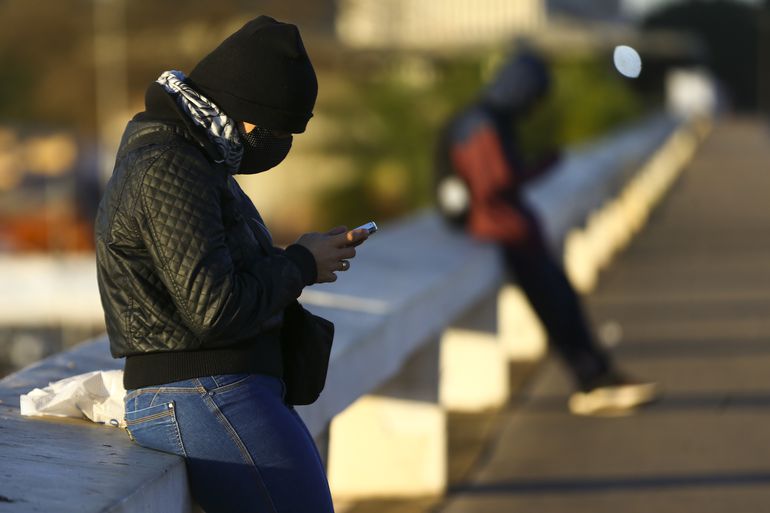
{"x": 220, "y": 129}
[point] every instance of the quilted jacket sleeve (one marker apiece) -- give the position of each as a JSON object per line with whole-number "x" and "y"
{"x": 181, "y": 223}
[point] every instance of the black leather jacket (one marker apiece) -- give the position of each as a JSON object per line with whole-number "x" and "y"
{"x": 189, "y": 280}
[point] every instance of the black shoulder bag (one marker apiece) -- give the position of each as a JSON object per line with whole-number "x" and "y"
{"x": 306, "y": 341}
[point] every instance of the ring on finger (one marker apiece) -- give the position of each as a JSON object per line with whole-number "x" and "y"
{"x": 345, "y": 265}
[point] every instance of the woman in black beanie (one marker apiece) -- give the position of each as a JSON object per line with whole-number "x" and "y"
{"x": 195, "y": 294}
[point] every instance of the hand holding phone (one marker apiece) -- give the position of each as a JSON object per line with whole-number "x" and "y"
{"x": 356, "y": 237}
{"x": 370, "y": 227}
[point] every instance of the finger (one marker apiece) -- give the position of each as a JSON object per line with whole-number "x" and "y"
{"x": 356, "y": 237}
{"x": 351, "y": 239}
{"x": 346, "y": 253}
{"x": 337, "y": 230}
{"x": 340, "y": 240}
{"x": 327, "y": 277}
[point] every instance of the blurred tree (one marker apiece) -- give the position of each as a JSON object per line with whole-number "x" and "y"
{"x": 42, "y": 55}
{"x": 392, "y": 114}
{"x": 16, "y": 80}
{"x": 587, "y": 99}
{"x": 391, "y": 125}
{"x": 47, "y": 56}
{"x": 763, "y": 59}
{"x": 729, "y": 31}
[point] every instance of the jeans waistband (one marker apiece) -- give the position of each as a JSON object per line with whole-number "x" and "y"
{"x": 210, "y": 383}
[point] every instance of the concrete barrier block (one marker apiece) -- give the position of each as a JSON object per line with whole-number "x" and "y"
{"x": 521, "y": 332}
{"x": 611, "y": 232}
{"x": 600, "y": 233}
{"x": 635, "y": 206}
{"x": 474, "y": 363}
{"x": 579, "y": 262}
{"x": 474, "y": 371}
{"x": 393, "y": 442}
{"x": 382, "y": 446}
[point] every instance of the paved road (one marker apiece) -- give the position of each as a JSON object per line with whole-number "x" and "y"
{"x": 692, "y": 297}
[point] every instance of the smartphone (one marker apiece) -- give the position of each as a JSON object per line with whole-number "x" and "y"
{"x": 371, "y": 227}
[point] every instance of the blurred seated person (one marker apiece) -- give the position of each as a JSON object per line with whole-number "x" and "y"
{"x": 480, "y": 174}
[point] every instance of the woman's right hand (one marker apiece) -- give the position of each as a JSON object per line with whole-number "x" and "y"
{"x": 332, "y": 250}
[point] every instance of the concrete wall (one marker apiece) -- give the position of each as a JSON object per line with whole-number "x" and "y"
{"x": 424, "y": 326}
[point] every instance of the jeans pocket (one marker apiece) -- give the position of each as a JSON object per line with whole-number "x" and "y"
{"x": 224, "y": 382}
{"x": 155, "y": 427}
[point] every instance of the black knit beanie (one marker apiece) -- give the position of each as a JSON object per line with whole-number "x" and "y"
{"x": 261, "y": 74}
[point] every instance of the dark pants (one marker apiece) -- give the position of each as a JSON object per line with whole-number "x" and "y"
{"x": 557, "y": 305}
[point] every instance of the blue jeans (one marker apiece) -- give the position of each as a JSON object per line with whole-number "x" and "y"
{"x": 245, "y": 449}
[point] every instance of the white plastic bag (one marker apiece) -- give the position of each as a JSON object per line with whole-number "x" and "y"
{"x": 96, "y": 395}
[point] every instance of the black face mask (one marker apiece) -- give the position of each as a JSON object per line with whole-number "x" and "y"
{"x": 262, "y": 150}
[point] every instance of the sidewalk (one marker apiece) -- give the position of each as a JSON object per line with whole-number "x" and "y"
{"x": 691, "y": 297}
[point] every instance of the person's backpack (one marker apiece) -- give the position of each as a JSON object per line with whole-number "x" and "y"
{"x": 451, "y": 192}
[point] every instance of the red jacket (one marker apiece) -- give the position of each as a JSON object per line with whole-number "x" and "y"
{"x": 496, "y": 213}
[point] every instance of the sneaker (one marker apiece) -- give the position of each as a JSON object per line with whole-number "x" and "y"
{"x": 613, "y": 394}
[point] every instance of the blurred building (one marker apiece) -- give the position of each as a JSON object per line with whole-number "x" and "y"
{"x": 560, "y": 26}
{"x": 609, "y": 10}
{"x": 413, "y": 24}
{"x": 48, "y": 196}
{"x": 48, "y": 193}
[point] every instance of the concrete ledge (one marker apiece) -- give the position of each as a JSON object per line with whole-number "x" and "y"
{"x": 593, "y": 173}
{"x": 70, "y": 465}
{"x": 422, "y": 327}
